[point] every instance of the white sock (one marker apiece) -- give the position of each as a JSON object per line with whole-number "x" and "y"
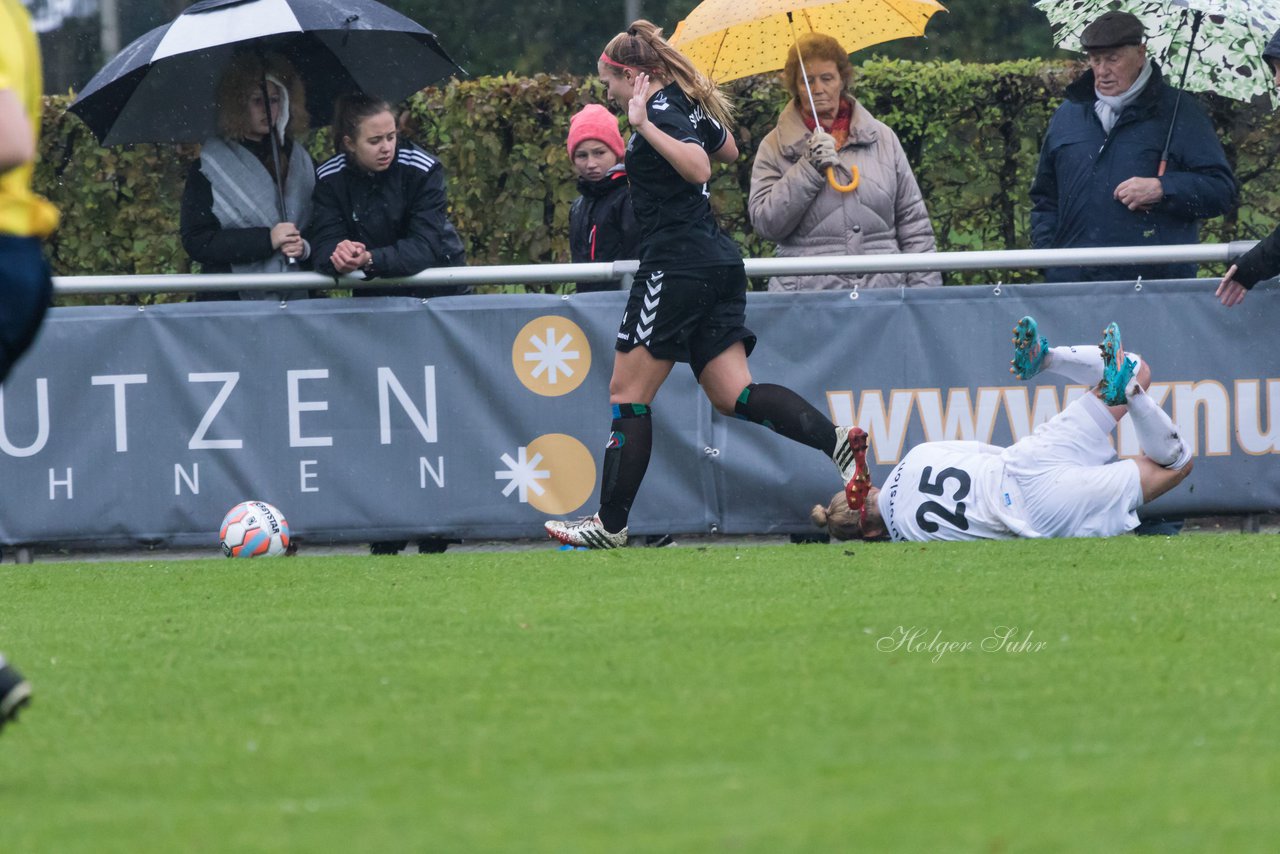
{"x": 1157, "y": 434}
{"x": 1098, "y": 411}
{"x": 1082, "y": 365}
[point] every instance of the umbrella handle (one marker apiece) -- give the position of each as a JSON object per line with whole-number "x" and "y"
{"x": 835, "y": 182}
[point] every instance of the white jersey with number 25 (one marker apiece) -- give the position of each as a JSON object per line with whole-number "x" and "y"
{"x": 951, "y": 491}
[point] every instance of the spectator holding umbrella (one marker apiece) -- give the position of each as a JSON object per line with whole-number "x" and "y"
{"x": 1262, "y": 261}
{"x": 232, "y": 221}
{"x": 794, "y": 204}
{"x": 1099, "y": 181}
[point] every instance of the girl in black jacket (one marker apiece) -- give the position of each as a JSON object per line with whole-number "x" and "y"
{"x": 602, "y": 225}
{"x": 380, "y": 207}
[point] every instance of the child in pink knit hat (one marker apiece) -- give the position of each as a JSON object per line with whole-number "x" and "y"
{"x": 602, "y": 226}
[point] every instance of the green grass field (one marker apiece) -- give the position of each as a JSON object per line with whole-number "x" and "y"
{"x": 683, "y": 700}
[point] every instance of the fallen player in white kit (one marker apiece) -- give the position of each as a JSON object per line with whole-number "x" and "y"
{"x": 1062, "y": 481}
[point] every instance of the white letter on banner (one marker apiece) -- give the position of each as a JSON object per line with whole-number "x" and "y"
{"x": 960, "y": 420}
{"x": 1251, "y": 435}
{"x": 42, "y": 424}
{"x": 885, "y": 432}
{"x": 198, "y": 441}
{"x": 297, "y": 407}
{"x": 387, "y": 382}
{"x": 119, "y": 381}
{"x": 424, "y": 467}
{"x": 305, "y": 474}
{"x": 54, "y": 484}
{"x": 180, "y": 475}
{"x": 1211, "y": 396}
{"x": 1025, "y": 417}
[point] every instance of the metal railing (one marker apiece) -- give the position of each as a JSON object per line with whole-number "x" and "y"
{"x": 516, "y": 274}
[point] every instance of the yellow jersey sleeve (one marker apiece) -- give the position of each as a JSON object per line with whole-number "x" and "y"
{"x": 22, "y": 212}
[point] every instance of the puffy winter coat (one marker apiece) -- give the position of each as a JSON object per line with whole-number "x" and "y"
{"x": 1073, "y": 202}
{"x": 792, "y": 205}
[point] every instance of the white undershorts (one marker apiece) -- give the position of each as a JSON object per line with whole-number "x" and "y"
{"x": 1072, "y": 485}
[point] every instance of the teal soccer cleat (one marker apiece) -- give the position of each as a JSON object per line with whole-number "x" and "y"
{"x": 1117, "y": 368}
{"x": 1029, "y": 349}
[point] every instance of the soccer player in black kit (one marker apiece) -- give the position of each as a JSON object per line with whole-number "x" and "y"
{"x": 688, "y": 302}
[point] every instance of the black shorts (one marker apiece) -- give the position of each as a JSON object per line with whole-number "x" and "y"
{"x": 687, "y": 315}
{"x": 25, "y": 289}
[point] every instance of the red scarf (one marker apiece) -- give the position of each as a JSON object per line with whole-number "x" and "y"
{"x": 840, "y": 127}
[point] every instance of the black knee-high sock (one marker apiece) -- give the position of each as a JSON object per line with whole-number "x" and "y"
{"x": 788, "y": 414}
{"x": 625, "y": 460}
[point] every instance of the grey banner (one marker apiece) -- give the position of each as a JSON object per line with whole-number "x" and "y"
{"x": 481, "y": 416}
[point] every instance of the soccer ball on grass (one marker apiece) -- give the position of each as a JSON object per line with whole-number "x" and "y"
{"x": 254, "y": 529}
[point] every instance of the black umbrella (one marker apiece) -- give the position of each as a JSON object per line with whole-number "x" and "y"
{"x": 161, "y": 88}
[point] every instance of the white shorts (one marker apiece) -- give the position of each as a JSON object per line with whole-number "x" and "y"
{"x": 1072, "y": 485}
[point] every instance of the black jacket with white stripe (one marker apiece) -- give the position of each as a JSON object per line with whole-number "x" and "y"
{"x": 400, "y": 215}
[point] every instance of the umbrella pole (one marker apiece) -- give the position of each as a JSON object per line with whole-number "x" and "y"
{"x": 804, "y": 75}
{"x": 275, "y": 154}
{"x": 1177, "y": 102}
{"x": 813, "y": 111}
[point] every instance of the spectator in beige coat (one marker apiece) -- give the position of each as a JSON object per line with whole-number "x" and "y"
{"x": 792, "y": 202}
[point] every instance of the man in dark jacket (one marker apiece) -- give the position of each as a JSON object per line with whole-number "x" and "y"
{"x": 1262, "y": 261}
{"x": 1098, "y": 182}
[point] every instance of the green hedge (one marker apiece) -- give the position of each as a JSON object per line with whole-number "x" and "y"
{"x": 972, "y": 133}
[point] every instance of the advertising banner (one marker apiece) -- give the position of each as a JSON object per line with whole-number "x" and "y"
{"x": 481, "y": 416}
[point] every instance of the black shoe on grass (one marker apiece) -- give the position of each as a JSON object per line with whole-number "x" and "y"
{"x": 15, "y": 693}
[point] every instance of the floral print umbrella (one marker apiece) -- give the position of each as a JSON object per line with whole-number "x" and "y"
{"x": 1226, "y": 54}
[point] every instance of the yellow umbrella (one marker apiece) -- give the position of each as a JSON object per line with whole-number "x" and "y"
{"x": 728, "y": 39}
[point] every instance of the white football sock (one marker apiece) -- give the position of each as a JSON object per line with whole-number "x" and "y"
{"x": 1081, "y": 365}
{"x": 1098, "y": 411}
{"x": 1157, "y": 434}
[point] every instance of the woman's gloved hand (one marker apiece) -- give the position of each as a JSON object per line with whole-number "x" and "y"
{"x": 822, "y": 151}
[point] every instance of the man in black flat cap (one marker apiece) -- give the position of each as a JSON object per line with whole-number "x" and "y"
{"x": 1098, "y": 182}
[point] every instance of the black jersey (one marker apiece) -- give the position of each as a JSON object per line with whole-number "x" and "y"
{"x": 677, "y": 227}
